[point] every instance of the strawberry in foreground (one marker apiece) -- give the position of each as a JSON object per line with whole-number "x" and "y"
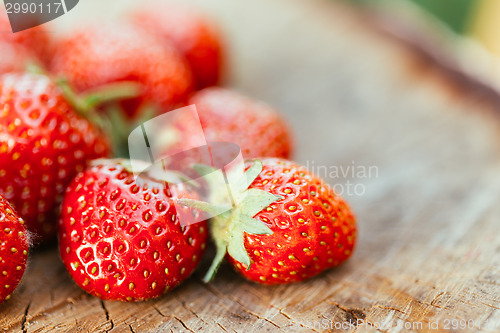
{"x": 14, "y": 245}
{"x": 287, "y": 225}
{"x": 44, "y": 143}
{"x": 192, "y": 34}
{"x": 97, "y": 56}
{"x": 122, "y": 240}
{"x": 227, "y": 116}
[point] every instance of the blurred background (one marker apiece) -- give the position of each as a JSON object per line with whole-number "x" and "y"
{"x": 477, "y": 19}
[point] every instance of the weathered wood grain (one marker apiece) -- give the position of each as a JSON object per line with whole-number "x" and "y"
{"x": 429, "y": 247}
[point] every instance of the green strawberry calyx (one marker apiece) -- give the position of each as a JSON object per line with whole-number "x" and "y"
{"x": 229, "y": 225}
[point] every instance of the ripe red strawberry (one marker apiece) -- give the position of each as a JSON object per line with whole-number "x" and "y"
{"x": 36, "y": 39}
{"x": 123, "y": 240}
{"x": 13, "y": 249}
{"x": 287, "y": 225}
{"x": 43, "y": 144}
{"x": 227, "y": 116}
{"x": 193, "y": 34}
{"x": 14, "y": 57}
{"x": 95, "y": 56}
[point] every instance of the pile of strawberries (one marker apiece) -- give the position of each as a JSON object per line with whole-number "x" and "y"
{"x": 68, "y": 105}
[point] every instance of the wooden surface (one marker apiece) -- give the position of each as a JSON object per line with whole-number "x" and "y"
{"x": 429, "y": 247}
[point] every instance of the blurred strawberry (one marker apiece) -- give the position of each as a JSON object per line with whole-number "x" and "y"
{"x": 227, "y": 116}
{"x": 14, "y": 57}
{"x": 36, "y": 39}
{"x": 95, "y": 56}
{"x": 193, "y": 34}
{"x": 43, "y": 144}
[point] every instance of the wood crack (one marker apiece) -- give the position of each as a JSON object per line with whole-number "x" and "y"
{"x": 106, "y": 312}
{"x": 25, "y": 316}
{"x": 56, "y": 307}
{"x": 281, "y": 312}
{"x": 390, "y": 308}
{"x": 491, "y": 306}
{"x": 436, "y": 298}
{"x": 183, "y": 324}
{"x": 309, "y": 328}
{"x": 158, "y": 310}
{"x": 218, "y": 324}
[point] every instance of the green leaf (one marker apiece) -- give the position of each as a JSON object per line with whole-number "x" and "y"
{"x": 247, "y": 178}
{"x": 253, "y": 226}
{"x": 228, "y": 229}
{"x": 236, "y": 247}
{"x": 255, "y": 200}
{"x": 252, "y": 173}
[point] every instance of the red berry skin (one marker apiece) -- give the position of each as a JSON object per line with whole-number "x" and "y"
{"x": 14, "y": 57}
{"x": 193, "y": 34}
{"x": 227, "y": 116}
{"x": 313, "y": 228}
{"x": 36, "y": 40}
{"x": 97, "y": 56}
{"x": 14, "y": 245}
{"x": 123, "y": 241}
{"x": 43, "y": 145}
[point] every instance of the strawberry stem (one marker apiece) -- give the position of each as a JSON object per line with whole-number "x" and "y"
{"x": 221, "y": 249}
{"x": 120, "y": 131}
{"x": 123, "y": 126}
{"x": 111, "y": 92}
{"x": 81, "y": 106}
{"x": 113, "y": 119}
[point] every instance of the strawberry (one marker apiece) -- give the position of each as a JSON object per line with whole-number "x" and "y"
{"x": 14, "y": 57}
{"x": 121, "y": 238}
{"x": 13, "y": 249}
{"x": 96, "y": 56}
{"x": 43, "y": 144}
{"x": 193, "y": 34}
{"x": 227, "y": 116}
{"x": 36, "y": 39}
{"x": 286, "y": 226}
